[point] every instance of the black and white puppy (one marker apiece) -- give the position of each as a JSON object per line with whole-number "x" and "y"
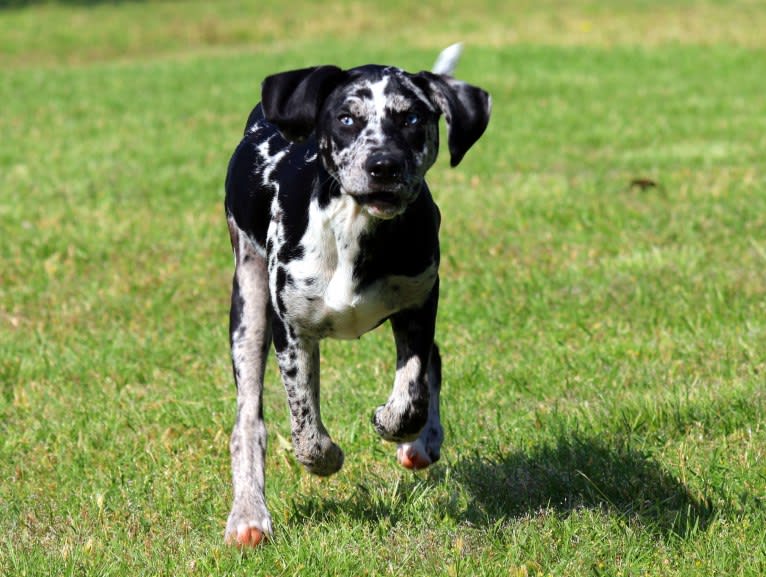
{"x": 334, "y": 231}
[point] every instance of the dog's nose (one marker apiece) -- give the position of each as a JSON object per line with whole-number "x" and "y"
{"x": 384, "y": 167}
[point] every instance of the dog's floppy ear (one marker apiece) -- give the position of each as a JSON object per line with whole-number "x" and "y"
{"x": 466, "y": 109}
{"x": 291, "y": 100}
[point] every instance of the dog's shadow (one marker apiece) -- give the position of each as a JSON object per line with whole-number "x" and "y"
{"x": 571, "y": 474}
{"x": 575, "y": 473}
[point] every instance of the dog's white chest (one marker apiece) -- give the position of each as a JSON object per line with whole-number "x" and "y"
{"x": 324, "y": 298}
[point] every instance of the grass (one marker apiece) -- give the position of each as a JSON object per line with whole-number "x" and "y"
{"x": 604, "y": 343}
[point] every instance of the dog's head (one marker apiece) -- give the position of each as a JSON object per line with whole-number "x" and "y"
{"x": 376, "y": 127}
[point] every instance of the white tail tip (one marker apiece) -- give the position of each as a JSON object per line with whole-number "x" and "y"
{"x": 447, "y": 60}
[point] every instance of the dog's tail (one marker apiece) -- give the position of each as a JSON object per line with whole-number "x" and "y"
{"x": 447, "y": 60}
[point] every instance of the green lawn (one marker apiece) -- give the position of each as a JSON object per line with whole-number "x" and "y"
{"x": 604, "y": 344}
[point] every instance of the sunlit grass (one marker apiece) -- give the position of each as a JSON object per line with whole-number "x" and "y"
{"x": 72, "y": 33}
{"x": 603, "y": 342}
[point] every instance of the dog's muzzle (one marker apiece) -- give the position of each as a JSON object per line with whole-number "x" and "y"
{"x": 384, "y": 168}
{"x": 390, "y": 190}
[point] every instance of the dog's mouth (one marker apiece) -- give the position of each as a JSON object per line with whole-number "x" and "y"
{"x": 382, "y": 203}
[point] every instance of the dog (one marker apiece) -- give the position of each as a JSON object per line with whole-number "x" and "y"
{"x": 334, "y": 231}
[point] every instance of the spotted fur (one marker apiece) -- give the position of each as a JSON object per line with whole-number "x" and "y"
{"x": 334, "y": 231}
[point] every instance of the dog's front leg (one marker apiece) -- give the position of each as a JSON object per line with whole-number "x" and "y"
{"x": 299, "y": 365}
{"x": 426, "y": 449}
{"x": 405, "y": 414}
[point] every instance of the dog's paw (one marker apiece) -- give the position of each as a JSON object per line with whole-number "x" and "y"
{"x": 246, "y": 536}
{"x": 244, "y": 533}
{"x": 323, "y": 459}
{"x": 396, "y": 424}
{"x": 414, "y": 456}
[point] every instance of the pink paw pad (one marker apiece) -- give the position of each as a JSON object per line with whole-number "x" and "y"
{"x": 412, "y": 456}
{"x": 246, "y": 537}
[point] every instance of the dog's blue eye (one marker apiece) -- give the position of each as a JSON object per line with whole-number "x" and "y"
{"x": 346, "y": 119}
{"x": 411, "y": 119}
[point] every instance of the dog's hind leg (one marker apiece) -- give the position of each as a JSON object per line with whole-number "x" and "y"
{"x": 250, "y": 335}
{"x": 426, "y": 449}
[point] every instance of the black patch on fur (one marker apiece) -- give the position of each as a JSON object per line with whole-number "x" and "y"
{"x": 362, "y": 93}
{"x": 280, "y": 289}
{"x": 466, "y": 110}
{"x": 236, "y": 311}
{"x": 247, "y": 200}
{"x": 291, "y": 100}
{"x": 406, "y": 245}
{"x": 280, "y": 337}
